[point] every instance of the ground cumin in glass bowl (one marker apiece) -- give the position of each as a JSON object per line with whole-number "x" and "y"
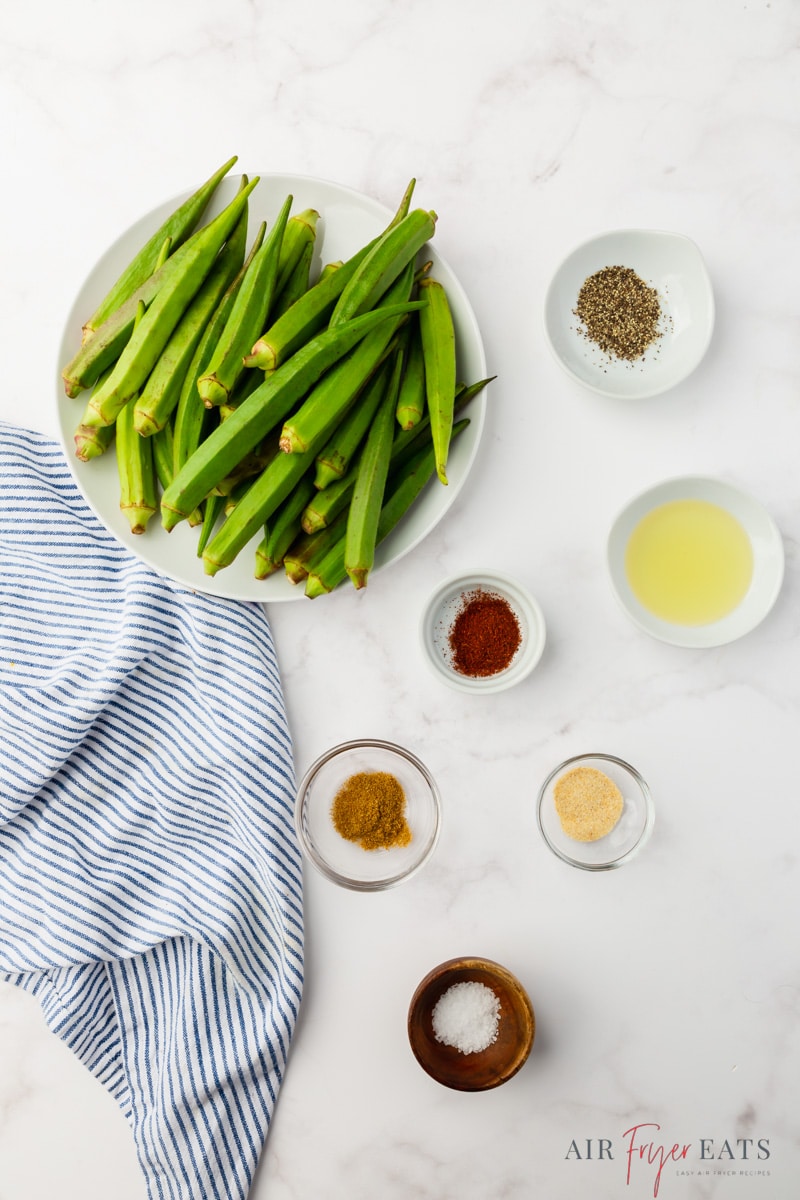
{"x": 353, "y": 823}
{"x": 446, "y": 1061}
{"x": 595, "y": 811}
{"x": 482, "y": 632}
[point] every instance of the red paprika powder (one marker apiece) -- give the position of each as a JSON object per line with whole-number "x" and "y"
{"x": 485, "y": 634}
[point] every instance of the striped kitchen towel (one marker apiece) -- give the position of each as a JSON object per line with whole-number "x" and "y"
{"x": 150, "y": 878}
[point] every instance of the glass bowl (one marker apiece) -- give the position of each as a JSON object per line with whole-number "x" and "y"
{"x": 483, "y": 1069}
{"x": 346, "y": 862}
{"x": 628, "y": 835}
{"x": 441, "y": 611}
{"x": 668, "y": 262}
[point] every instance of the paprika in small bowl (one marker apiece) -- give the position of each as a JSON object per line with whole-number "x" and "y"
{"x": 482, "y": 632}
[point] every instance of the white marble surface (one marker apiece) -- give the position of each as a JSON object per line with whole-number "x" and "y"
{"x": 667, "y": 992}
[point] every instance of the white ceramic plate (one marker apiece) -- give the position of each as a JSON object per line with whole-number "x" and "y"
{"x": 669, "y": 262}
{"x": 348, "y": 220}
{"x": 768, "y": 561}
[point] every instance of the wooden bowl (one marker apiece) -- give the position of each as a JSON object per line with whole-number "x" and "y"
{"x": 475, "y": 1072}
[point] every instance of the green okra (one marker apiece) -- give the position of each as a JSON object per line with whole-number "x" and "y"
{"x": 269, "y": 404}
{"x": 177, "y": 227}
{"x": 135, "y": 466}
{"x": 329, "y": 269}
{"x": 137, "y": 474}
{"x": 192, "y": 420}
{"x": 97, "y": 355}
{"x": 328, "y": 503}
{"x": 411, "y": 397}
{"x": 183, "y": 273}
{"x": 308, "y": 550}
{"x": 296, "y": 285}
{"x": 439, "y": 352}
{"x": 212, "y": 510}
{"x": 370, "y": 485}
{"x": 336, "y": 455}
{"x": 160, "y": 395}
{"x": 330, "y": 571}
{"x": 163, "y": 453}
{"x": 299, "y": 235}
{"x": 262, "y": 499}
{"x": 389, "y": 256}
{"x": 325, "y": 406}
{"x": 91, "y": 442}
{"x": 305, "y": 318}
{"x": 284, "y": 528}
{"x": 333, "y": 499}
{"x": 247, "y": 316}
{"x": 252, "y": 464}
{"x": 408, "y": 441}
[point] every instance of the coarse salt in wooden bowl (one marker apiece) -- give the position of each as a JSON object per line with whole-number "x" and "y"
{"x": 477, "y": 1070}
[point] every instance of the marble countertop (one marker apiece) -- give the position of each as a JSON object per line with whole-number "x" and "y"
{"x": 667, "y": 994}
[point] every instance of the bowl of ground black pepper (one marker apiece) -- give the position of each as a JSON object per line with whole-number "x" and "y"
{"x": 368, "y": 814}
{"x": 630, "y": 313}
{"x": 482, "y": 632}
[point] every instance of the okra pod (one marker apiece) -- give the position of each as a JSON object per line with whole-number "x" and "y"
{"x": 370, "y": 484}
{"x": 177, "y": 228}
{"x": 137, "y": 476}
{"x": 439, "y": 353}
{"x": 389, "y": 256}
{"x": 327, "y": 503}
{"x": 304, "y": 319}
{"x": 296, "y": 285}
{"x": 183, "y": 274}
{"x": 226, "y": 445}
{"x": 247, "y": 316}
{"x": 325, "y": 406}
{"x": 329, "y": 571}
{"x": 262, "y": 499}
{"x": 299, "y": 235}
{"x": 212, "y": 508}
{"x": 304, "y": 554}
{"x": 192, "y": 419}
{"x": 163, "y": 453}
{"x": 159, "y": 397}
{"x": 336, "y": 455}
{"x": 411, "y": 398}
{"x": 91, "y": 442}
{"x": 284, "y": 527}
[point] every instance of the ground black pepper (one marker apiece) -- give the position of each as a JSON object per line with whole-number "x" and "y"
{"x": 485, "y": 634}
{"x": 620, "y": 312}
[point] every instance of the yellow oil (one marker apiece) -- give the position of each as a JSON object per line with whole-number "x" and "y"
{"x": 689, "y": 562}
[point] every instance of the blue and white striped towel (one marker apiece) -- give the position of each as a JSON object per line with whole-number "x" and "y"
{"x": 150, "y": 879}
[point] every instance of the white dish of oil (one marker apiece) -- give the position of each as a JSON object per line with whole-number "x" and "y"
{"x": 695, "y": 562}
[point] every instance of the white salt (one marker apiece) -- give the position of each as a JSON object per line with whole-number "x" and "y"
{"x": 466, "y": 1017}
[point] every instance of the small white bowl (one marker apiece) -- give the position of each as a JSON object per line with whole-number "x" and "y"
{"x": 669, "y": 262}
{"x": 443, "y": 608}
{"x": 768, "y": 561}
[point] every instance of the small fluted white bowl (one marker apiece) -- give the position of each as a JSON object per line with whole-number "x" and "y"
{"x": 674, "y": 266}
{"x": 441, "y": 611}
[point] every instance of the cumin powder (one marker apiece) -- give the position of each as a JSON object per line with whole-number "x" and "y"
{"x": 370, "y": 809}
